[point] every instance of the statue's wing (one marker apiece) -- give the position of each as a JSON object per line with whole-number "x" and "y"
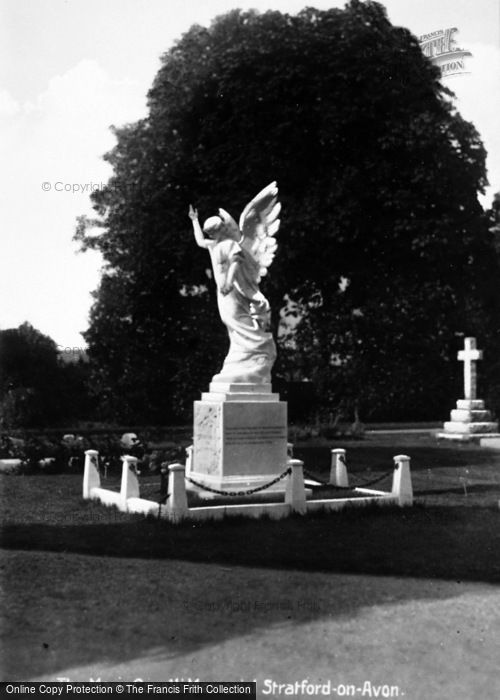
{"x": 259, "y": 224}
{"x": 232, "y": 229}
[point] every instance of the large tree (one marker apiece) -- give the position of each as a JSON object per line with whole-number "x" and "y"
{"x": 383, "y": 243}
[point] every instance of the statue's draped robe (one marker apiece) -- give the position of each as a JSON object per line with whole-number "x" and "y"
{"x": 246, "y": 315}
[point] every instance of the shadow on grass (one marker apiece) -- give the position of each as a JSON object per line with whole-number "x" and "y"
{"x": 83, "y": 617}
{"x": 146, "y": 584}
{"x": 456, "y": 543}
{"x": 152, "y": 591}
{"x": 446, "y": 538}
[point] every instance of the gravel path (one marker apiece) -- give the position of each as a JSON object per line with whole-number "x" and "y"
{"x": 414, "y": 638}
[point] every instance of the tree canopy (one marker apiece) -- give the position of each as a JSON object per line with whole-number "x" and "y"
{"x": 36, "y": 387}
{"x": 384, "y": 249}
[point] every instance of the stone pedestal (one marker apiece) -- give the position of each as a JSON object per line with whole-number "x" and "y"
{"x": 469, "y": 421}
{"x": 240, "y": 437}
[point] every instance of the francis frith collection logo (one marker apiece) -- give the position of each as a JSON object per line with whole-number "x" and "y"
{"x": 441, "y": 48}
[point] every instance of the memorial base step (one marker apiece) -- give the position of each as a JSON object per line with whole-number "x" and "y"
{"x": 470, "y": 428}
{"x": 471, "y": 404}
{"x": 492, "y": 441}
{"x": 225, "y": 391}
{"x": 462, "y": 415}
{"x": 478, "y": 438}
{"x": 253, "y": 397}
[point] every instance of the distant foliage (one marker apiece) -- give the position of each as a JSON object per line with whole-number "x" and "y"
{"x": 36, "y": 387}
{"x": 49, "y": 453}
{"x": 385, "y": 255}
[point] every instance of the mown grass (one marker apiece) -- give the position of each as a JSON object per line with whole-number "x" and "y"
{"x": 452, "y": 531}
{"x": 67, "y": 559}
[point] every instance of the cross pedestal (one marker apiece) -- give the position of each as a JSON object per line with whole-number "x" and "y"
{"x": 470, "y": 420}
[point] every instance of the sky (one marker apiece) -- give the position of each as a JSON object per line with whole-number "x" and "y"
{"x": 69, "y": 69}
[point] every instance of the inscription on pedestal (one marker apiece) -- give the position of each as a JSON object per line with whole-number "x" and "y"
{"x": 259, "y": 435}
{"x": 236, "y": 442}
{"x": 254, "y": 438}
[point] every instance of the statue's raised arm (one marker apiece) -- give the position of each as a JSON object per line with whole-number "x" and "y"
{"x": 198, "y": 233}
{"x": 240, "y": 258}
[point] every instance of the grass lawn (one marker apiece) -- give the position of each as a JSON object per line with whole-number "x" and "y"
{"x": 406, "y": 595}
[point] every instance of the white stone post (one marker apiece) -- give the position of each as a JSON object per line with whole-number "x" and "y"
{"x": 177, "y": 505}
{"x": 130, "y": 483}
{"x": 338, "y": 468}
{"x": 289, "y": 449}
{"x": 295, "y": 494}
{"x": 189, "y": 459}
{"x": 91, "y": 476}
{"x": 401, "y": 480}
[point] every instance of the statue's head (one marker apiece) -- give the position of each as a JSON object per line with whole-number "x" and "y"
{"x": 214, "y": 227}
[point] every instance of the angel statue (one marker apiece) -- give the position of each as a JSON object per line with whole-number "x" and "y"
{"x": 240, "y": 257}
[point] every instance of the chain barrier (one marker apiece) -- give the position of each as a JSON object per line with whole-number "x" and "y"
{"x": 325, "y": 484}
{"x": 451, "y": 484}
{"x": 375, "y": 480}
{"x": 248, "y": 492}
{"x": 362, "y": 484}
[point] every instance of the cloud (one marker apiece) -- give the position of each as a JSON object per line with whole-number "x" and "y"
{"x": 71, "y": 119}
{"x": 8, "y": 105}
{"x": 57, "y": 138}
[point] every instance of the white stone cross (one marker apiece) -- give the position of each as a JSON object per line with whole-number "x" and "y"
{"x": 469, "y": 356}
